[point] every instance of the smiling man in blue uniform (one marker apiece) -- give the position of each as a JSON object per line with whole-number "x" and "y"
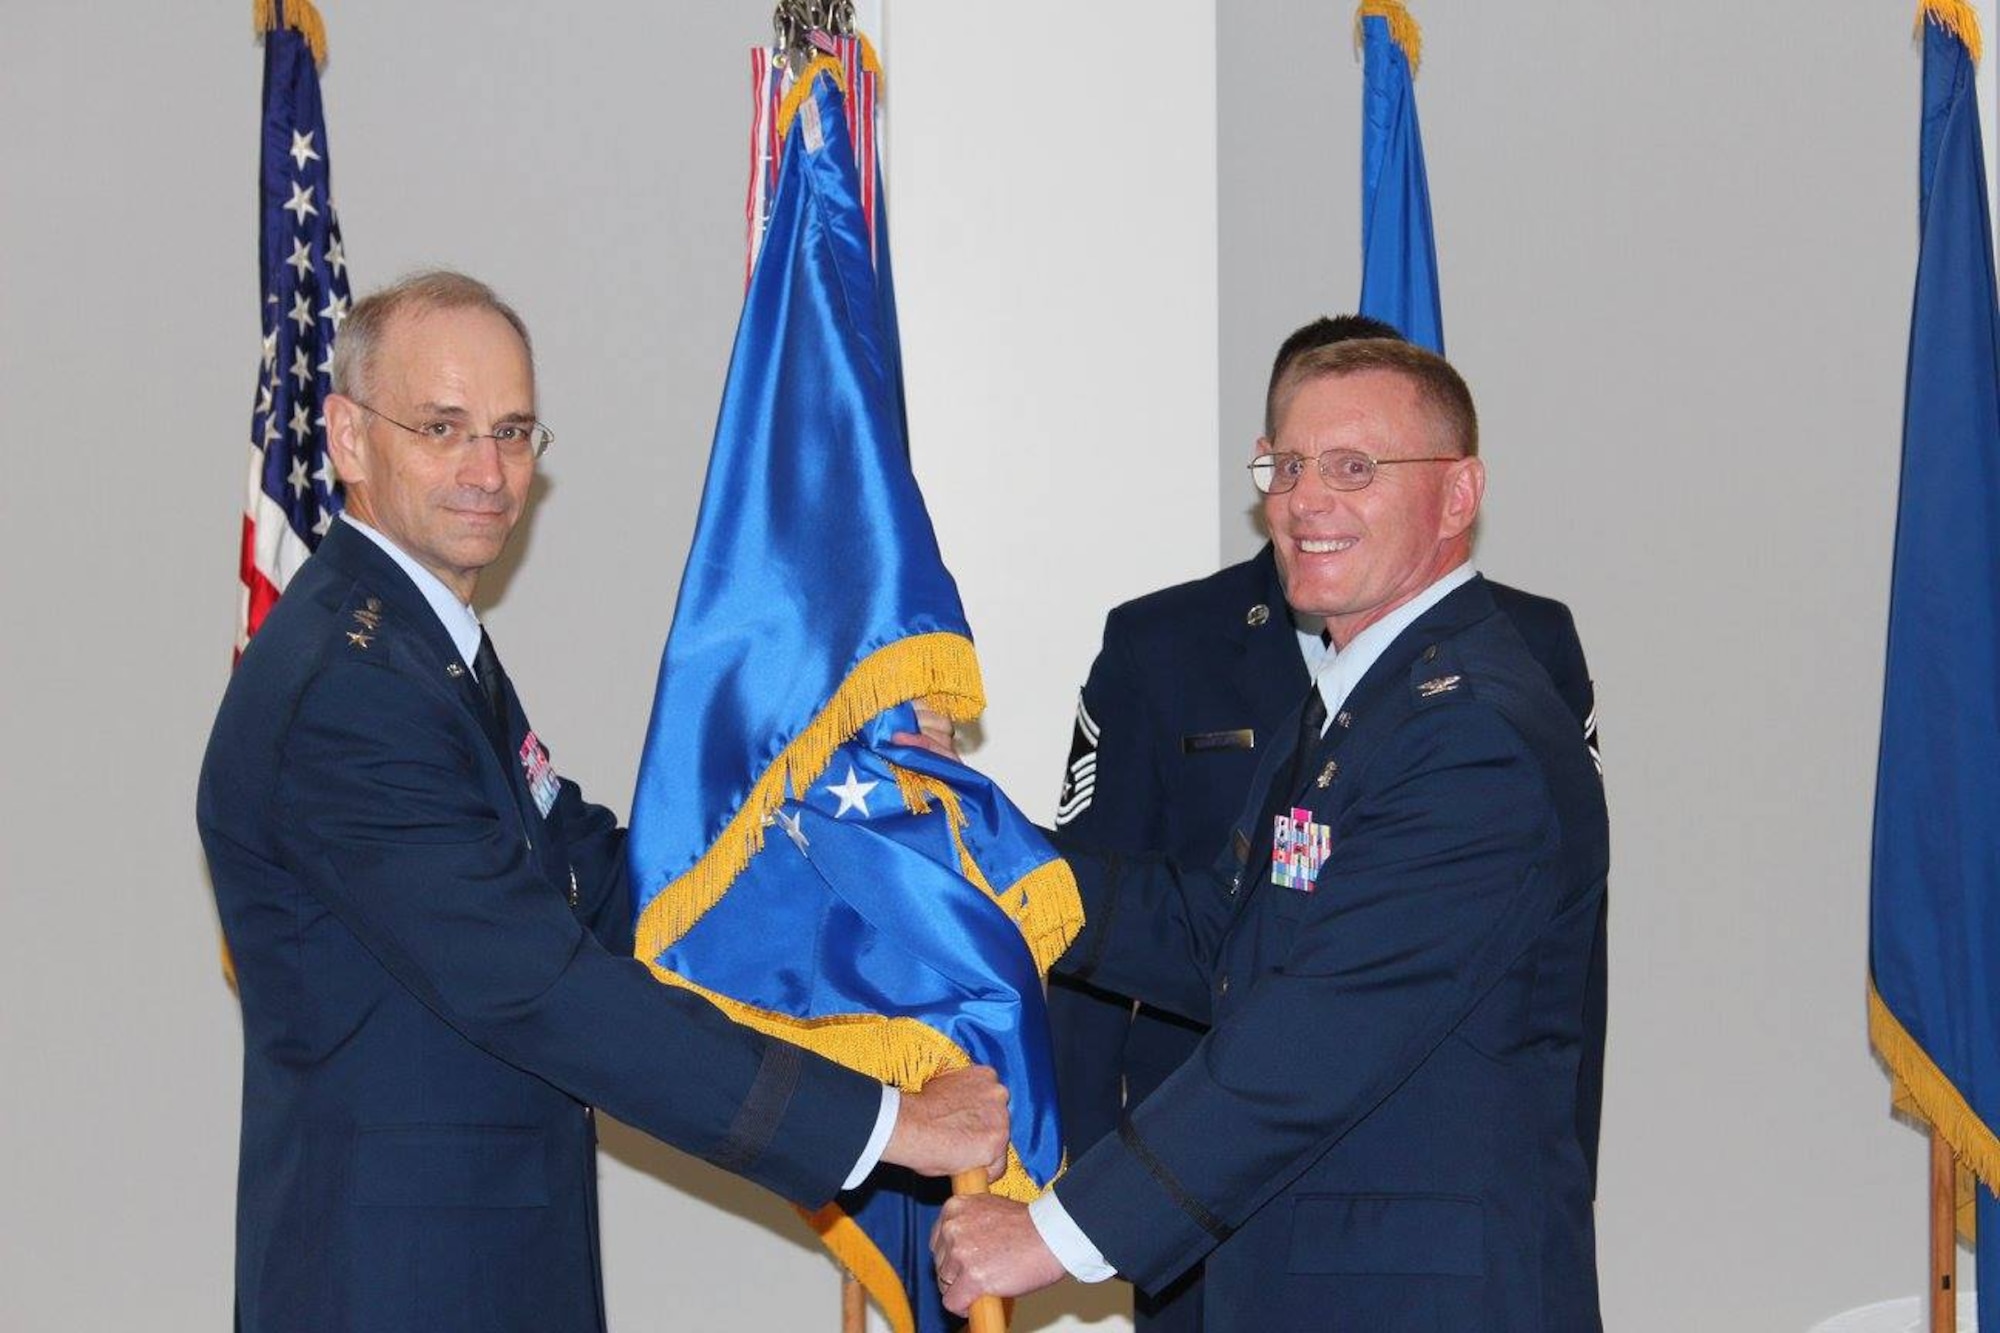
{"x": 431, "y": 928}
{"x": 1379, "y": 1131}
{"x": 1185, "y": 695}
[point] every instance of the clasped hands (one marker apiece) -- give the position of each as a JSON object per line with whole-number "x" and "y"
{"x": 983, "y": 1244}
{"x": 957, "y": 1122}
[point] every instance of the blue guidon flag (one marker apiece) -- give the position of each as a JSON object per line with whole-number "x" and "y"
{"x": 292, "y": 497}
{"x": 1934, "y": 909}
{"x": 1399, "y": 271}
{"x": 872, "y": 902}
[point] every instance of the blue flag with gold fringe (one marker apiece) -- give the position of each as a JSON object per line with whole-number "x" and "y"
{"x": 1399, "y": 279}
{"x": 1934, "y": 912}
{"x": 872, "y": 902}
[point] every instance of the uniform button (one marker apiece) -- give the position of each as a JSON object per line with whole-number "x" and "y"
{"x": 1222, "y": 986}
{"x": 1235, "y": 883}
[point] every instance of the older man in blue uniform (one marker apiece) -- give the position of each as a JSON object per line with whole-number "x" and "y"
{"x": 1188, "y": 688}
{"x": 431, "y": 927}
{"x": 1380, "y": 1130}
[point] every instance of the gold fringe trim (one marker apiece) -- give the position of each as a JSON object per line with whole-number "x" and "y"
{"x": 1044, "y": 904}
{"x": 940, "y": 668}
{"x": 850, "y": 1245}
{"x": 870, "y": 63}
{"x": 1920, "y": 1088}
{"x": 1048, "y": 909}
{"x": 1403, "y": 29}
{"x": 901, "y": 1051}
{"x": 300, "y": 16}
{"x": 802, "y": 89}
{"x": 1957, "y": 17}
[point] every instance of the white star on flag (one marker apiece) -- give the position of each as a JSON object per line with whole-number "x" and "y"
{"x": 790, "y": 823}
{"x": 298, "y": 478}
{"x": 301, "y": 202}
{"x": 302, "y": 258}
{"x": 302, "y": 148}
{"x": 853, "y": 794}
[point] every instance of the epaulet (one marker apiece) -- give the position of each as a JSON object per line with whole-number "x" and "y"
{"x": 364, "y": 624}
{"x": 1437, "y": 677}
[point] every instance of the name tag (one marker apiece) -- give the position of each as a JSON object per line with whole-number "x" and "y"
{"x": 541, "y": 773}
{"x": 1202, "y": 742}
{"x": 1299, "y": 850}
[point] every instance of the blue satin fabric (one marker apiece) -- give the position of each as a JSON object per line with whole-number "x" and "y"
{"x": 1399, "y": 279}
{"x": 872, "y": 916}
{"x": 813, "y": 549}
{"x": 1934, "y": 933}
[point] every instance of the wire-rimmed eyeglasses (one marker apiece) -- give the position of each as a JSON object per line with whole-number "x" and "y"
{"x": 447, "y": 437}
{"x": 1342, "y": 469}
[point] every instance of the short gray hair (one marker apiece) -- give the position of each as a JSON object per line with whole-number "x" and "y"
{"x": 359, "y": 340}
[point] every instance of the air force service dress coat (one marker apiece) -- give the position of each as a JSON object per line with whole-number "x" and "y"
{"x": 1380, "y": 1132}
{"x": 431, "y": 936}
{"x": 1185, "y": 695}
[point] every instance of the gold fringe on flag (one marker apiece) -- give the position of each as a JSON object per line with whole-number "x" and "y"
{"x": 300, "y": 16}
{"x": 902, "y": 1051}
{"x": 1958, "y": 17}
{"x": 801, "y": 89}
{"x": 824, "y": 64}
{"x": 1403, "y": 29}
{"x": 940, "y": 668}
{"x": 1921, "y": 1089}
{"x": 1044, "y": 904}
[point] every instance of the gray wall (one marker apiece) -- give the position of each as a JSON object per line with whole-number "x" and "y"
{"x": 1677, "y": 243}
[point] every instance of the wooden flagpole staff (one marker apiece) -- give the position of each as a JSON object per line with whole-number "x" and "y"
{"x": 1944, "y": 1235}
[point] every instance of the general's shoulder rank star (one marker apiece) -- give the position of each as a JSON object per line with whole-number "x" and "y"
{"x": 358, "y": 639}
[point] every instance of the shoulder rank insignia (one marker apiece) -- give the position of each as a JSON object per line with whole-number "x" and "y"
{"x": 358, "y": 639}
{"x": 1437, "y": 685}
{"x": 1257, "y": 615}
{"x": 368, "y": 620}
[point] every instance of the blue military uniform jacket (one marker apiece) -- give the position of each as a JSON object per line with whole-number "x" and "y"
{"x": 431, "y": 936}
{"x": 1380, "y": 1132}
{"x": 1184, "y": 697}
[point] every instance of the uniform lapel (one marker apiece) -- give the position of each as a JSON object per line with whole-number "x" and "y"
{"x": 1270, "y": 675}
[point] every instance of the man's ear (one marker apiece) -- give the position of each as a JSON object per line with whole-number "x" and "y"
{"x": 1464, "y": 490}
{"x": 346, "y": 438}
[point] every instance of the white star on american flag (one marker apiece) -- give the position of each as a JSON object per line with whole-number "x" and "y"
{"x": 302, "y": 149}
{"x": 301, "y": 202}
{"x": 302, "y": 312}
{"x": 297, "y": 481}
{"x": 302, "y": 257}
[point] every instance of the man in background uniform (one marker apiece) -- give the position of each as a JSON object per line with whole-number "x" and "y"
{"x": 1185, "y": 692}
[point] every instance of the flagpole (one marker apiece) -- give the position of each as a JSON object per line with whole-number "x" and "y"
{"x": 987, "y": 1314}
{"x": 1944, "y": 1235}
{"x": 853, "y": 1305}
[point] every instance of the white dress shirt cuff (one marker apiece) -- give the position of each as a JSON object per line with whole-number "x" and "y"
{"x": 1066, "y": 1240}
{"x": 878, "y": 1142}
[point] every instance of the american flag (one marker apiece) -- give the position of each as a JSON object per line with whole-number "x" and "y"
{"x": 292, "y": 498}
